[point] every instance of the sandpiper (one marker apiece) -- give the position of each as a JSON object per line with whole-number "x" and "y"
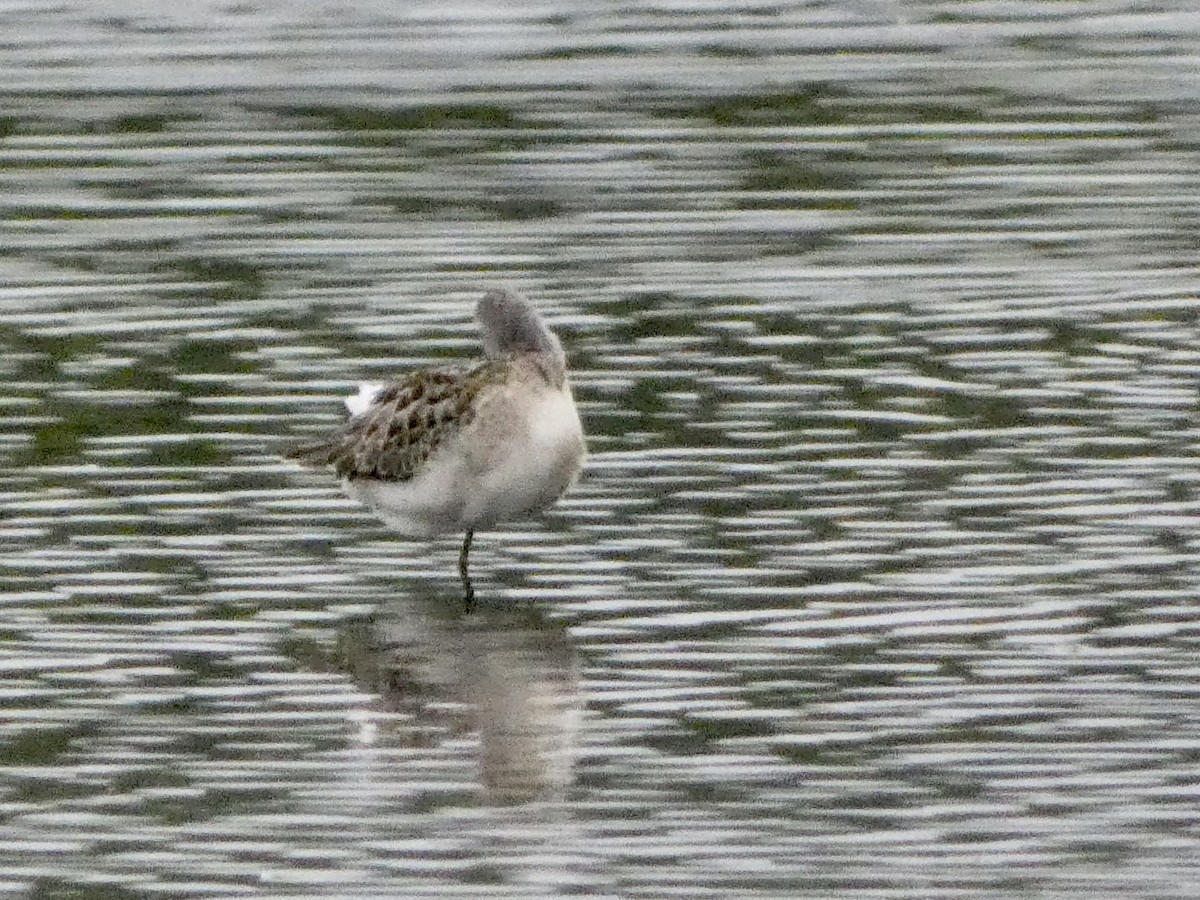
{"x": 460, "y": 449}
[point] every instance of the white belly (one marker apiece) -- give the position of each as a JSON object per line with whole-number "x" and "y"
{"x": 536, "y": 471}
{"x": 514, "y": 460}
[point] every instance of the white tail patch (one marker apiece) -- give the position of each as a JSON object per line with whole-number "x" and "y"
{"x": 367, "y": 392}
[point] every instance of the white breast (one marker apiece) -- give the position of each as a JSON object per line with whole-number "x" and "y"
{"x": 520, "y": 454}
{"x": 537, "y": 469}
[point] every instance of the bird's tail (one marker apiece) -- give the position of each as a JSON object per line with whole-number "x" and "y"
{"x": 315, "y": 455}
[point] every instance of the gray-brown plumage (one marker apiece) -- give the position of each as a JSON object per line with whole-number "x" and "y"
{"x": 463, "y": 449}
{"x": 405, "y": 423}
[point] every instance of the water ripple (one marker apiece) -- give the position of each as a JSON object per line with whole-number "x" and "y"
{"x": 879, "y": 581}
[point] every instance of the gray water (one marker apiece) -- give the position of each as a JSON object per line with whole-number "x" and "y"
{"x": 881, "y": 581}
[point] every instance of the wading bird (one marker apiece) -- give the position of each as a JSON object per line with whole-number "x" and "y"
{"x": 461, "y": 449}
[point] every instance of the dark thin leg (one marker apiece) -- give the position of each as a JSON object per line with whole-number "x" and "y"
{"x": 468, "y": 591}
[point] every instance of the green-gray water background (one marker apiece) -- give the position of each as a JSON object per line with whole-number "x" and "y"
{"x": 881, "y": 581}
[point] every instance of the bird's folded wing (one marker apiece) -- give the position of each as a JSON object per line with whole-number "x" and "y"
{"x": 405, "y": 422}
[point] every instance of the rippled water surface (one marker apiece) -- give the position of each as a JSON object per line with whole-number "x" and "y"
{"x": 881, "y": 581}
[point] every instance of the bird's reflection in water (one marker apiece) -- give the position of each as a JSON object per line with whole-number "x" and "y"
{"x": 506, "y": 673}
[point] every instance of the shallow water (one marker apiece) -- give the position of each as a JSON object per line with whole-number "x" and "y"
{"x": 880, "y": 582}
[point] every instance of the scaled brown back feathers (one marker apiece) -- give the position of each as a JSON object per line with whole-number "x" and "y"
{"x": 409, "y": 419}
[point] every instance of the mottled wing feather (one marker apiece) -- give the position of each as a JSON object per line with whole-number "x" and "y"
{"x": 409, "y": 419}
